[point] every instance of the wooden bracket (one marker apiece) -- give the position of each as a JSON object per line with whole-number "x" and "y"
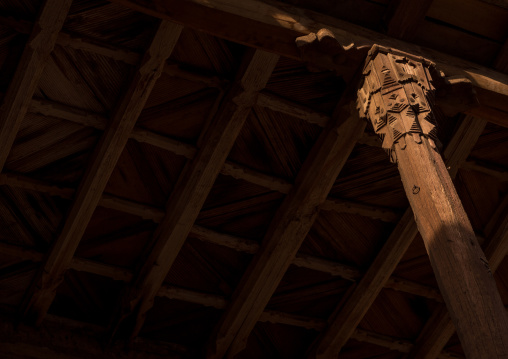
{"x": 455, "y": 94}
{"x": 398, "y": 91}
{"x": 321, "y": 51}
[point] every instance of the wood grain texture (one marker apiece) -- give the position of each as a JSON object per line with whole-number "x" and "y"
{"x": 458, "y": 262}
{"x": 193, "y": 186}
{"x": 277, "y": 26}
{"x": 287, "y": 231}
{"x": 43, "y": 289}
{"x": 29, "y": 70}
{"x": 439, "y": 328}
{"x": 407, "y": 17}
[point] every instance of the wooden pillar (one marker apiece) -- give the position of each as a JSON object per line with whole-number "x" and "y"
{"x": 396, "y": 94}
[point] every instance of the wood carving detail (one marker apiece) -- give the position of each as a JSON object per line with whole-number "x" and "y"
{"x": 397, "y": 95}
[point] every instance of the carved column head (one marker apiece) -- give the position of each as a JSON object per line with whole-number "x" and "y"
{"x": 396, "y": 94}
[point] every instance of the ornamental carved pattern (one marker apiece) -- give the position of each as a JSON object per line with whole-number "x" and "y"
{"x": 396, "y": 94}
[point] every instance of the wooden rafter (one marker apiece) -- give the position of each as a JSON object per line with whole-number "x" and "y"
{"x": 193, "y": 186}
{"x": 277, "y": 26}
{"x": 232, "y": 169}
{"x": 350, "y": 314}
{"x": 238, "y": 244}
{"x": 439, "y": 328}
{"x": 29, "y": 70}
{"x": 43, "y": 289}
{"x": 407, "y": 17}
{"x": 286, "y": 233}
{"x": 62, "y": 335}
{"x": 343, "y": 324}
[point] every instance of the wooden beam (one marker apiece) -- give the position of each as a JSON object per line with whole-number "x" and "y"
{"x": 35, "y": 56}
{"x": 395, "y": 91}
{"x": 274, "y": 26}
{"x": 193, "y": 186}
{"x": 43, "y": 288}
{"x": 276, "y": 103}
{"x": 344, "y": 322}
{"x": 462, "y": 142}
{"x": 287, "y": 231}
{"x": 407, "y": 17}
{"x": 439, "y": 328}
{"x": 499, "y": 173}
{"x": 383, "y": 214}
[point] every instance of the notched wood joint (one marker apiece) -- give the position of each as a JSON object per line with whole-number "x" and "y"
{"x": 321, "y": 51}
{"x": 454, "y": 94}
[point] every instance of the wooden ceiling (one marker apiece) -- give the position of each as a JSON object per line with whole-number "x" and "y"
{"x": 174, "y": 182}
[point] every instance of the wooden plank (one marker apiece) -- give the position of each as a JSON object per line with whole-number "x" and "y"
{"x": 473, "y": 16}
{"x": 444, "y": 38}
{"x": 407, "y": 17}
{"x": 35, "y": 56}
{"x": 274, "y": 27}
{"x": 113, "y": 141}
{"x": 287, "y": 231}
{"x": 193, "y": 186}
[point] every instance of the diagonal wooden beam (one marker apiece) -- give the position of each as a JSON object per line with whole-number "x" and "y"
{"x": 286, "y": 232}
{"x": 43, "y": 288}
{"x": 462, "y": 143}
{"x": 29, "y": 70}
{"x": 349, "y": 315}
{"x": 344, "y": 322}
{"x": 407, "y": 17}
{"x": 439, "y": 328}
{"x": 193, "y": 186}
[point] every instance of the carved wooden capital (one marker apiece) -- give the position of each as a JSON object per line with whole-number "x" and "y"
{"x": 397, "y": 95}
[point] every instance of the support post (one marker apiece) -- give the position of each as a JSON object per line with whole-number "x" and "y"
{"x": 396, "y": 94}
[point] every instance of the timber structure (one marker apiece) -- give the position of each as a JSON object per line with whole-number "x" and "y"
{"x": 253, "y": 179}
